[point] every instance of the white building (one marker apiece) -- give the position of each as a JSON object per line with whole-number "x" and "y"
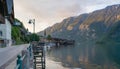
{"x": 5, "y": 35}
{"x": 6, "y": 21}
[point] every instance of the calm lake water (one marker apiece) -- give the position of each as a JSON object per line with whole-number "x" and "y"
{"x": 86, "y": 56}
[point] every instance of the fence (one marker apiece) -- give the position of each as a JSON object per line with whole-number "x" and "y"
{"x": 23, "y": 59}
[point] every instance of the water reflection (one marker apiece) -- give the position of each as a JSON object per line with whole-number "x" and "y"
{"x": 87, "y": 56}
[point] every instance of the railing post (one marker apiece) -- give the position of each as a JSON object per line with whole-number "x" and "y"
{"x": 28, "y": 58}
{"x": 19, "y": 62}
{"x": 24, "y": 59}
{"x": 30, "y": 50}
{"x": 30, "y": 55}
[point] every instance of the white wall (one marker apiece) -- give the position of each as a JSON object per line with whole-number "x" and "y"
{"x": 6, "y": 32}
{"x": 8, "y": 29}
{"x": 3, "y": 29}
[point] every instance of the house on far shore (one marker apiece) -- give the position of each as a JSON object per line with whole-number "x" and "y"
{"x": 6, "y": 22}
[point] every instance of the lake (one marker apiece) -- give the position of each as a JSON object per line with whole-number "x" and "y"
{"x": 86, "y": 56}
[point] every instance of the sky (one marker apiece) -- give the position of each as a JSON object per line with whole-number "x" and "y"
{"x": 48, "y": 12}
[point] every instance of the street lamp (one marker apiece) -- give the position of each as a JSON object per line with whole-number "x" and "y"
{"x": 32, "y": 21}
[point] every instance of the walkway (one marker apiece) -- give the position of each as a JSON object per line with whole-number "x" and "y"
{"x": 8, "y": 54}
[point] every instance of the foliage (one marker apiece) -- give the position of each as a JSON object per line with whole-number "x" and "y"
{"x": 20, "y": 36}
{"x": 33, "y": 37}
{"x": 112, "y": 36}
{"x": 17, "y": 35}
{"x": 49, "y": 37}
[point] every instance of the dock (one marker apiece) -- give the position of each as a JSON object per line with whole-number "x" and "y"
{"x": 60, "y": 41}
{"x": 38, "y": 56}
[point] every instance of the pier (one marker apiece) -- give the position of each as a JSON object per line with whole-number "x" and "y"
{"x": 39, "y": 56}
{"x": 60, "y": 41}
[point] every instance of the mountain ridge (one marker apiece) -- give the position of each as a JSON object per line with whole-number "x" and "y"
{"x": 90, "y": 26}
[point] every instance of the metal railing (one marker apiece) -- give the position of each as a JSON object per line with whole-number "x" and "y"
{"x": 26, "y": 57}
{"x": 23, "y": 59}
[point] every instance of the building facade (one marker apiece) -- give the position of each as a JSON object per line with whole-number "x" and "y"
{"x": 6, "y": 22}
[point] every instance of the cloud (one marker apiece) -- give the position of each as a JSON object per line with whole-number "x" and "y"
{"x": 48, "y": 12}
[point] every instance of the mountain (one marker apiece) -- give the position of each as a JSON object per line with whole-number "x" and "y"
{"x": 101, "y": 24}
{"x": 113, "y": 35}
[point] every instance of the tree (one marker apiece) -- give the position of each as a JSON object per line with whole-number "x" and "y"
{"x": 34, "y": 37}
{"x": 19, "y": 33}
{"x": 49, "y": 37}
{"x": 16, "y": 34}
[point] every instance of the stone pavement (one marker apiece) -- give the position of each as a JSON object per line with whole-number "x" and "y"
{"x": 9, "y": 54}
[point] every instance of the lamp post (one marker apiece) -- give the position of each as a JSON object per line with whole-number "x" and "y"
{"x": 32, "y": 21}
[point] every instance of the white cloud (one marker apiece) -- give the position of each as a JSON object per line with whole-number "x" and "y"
{"x": 48, "y": 12}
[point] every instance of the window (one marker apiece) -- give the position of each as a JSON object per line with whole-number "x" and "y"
{"x": 1, "y": 33}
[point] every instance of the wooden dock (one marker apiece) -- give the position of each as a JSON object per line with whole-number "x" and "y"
{"x": 39, "y": 56}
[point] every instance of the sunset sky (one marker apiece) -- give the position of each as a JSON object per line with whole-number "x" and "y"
{"x": 48, "y": 12}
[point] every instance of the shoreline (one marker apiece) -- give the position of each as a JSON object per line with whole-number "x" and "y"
{"x": 50, "y": 64}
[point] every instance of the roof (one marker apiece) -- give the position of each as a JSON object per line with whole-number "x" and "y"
{"x": 9, "y": 6}
{"x": 10, "y": 10}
